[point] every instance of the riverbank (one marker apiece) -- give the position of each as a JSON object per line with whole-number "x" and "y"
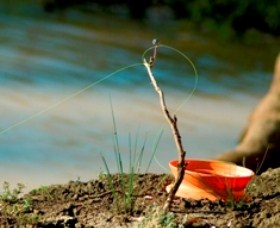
{"x": 93, "y": 204}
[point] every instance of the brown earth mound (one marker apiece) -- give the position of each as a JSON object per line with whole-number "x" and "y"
{"x": 94, "y": 204}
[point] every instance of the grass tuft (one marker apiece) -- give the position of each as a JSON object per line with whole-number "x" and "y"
{"x": 124, "y": 194}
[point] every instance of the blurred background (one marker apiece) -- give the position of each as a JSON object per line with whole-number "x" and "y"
{"x": 50, "y": 49}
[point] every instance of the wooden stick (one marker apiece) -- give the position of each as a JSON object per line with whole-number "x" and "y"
{"x": 177, "y": 137}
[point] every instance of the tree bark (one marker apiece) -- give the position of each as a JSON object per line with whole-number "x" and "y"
{"x": 259, "y": 147}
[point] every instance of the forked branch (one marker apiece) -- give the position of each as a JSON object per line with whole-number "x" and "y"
{"x": 172, "y": 120}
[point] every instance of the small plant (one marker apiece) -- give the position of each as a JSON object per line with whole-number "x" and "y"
{"x": 124, "y": 195}
{"x": 157, "y": 218}
{"x": 27, "y": 204}
{"x": 28, "y": 219}
{"x": 15, "y": 207}
{"x": 43, "y": 191}
{"x": 21, "y": 211}
{"x": 11, "y": 195}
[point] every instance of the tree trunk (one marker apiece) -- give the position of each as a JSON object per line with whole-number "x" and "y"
{"x": 259, "y": 147}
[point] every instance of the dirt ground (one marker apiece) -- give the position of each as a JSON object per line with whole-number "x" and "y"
{"x": 97, "y": 204}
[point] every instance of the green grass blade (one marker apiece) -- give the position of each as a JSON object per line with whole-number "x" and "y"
{"x": 136, "y": 146}
{"x": 156, "y": 143}
{"x": 130, "y": 154}
{"x": 116, "y": 141}
{"x": 111, "y": 183}
{"x": 140, "y": 155}
{"x": 105, "y": 164}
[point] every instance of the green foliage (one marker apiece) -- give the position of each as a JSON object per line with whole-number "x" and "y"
{"x": 43, "y": 191}
{"x": 27, "y": 204}
{"x": 123, "y": 198}
{"x": 28, "y": 219}
{"x": 16, "y": 207}
{"x": 157, "y": 218}
{"x": 123, "y": 191}
{"x": 238, "y": 15}
{"x": 231, "y": 15}
{"x": 11, "y": 195}
{"x": 167, "y": 220}
{"x": 20, "y": 211}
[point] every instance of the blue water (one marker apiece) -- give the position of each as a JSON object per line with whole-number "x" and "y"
{"x": 45, "y": 60}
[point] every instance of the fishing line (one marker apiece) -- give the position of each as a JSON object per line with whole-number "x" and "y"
{"x": 67, "y": 98}
{"x": 193, "y": 68}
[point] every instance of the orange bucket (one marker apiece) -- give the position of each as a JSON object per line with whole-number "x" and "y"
{"x": 212, "y": 179}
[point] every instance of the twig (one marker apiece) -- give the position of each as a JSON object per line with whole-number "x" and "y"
{"x": 173, "y": 124}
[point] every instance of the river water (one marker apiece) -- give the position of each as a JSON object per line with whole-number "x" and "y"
{"x": 52, "y": 133}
